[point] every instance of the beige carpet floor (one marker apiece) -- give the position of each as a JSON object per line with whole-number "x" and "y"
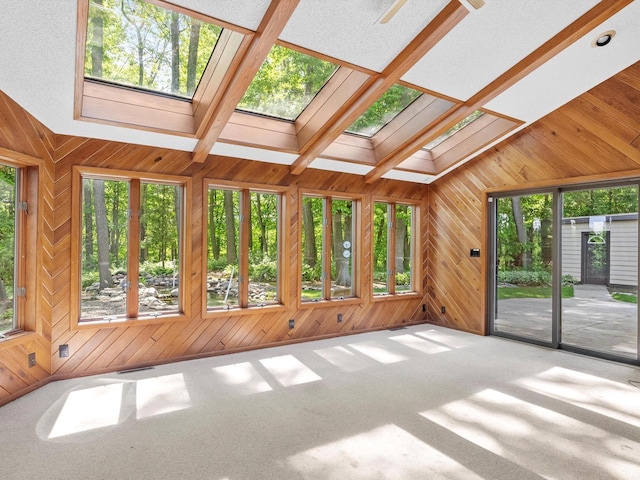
{"x": 416, "y": 403}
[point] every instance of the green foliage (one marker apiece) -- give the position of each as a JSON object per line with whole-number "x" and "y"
{"x": 136, "y": 46}
{"x": 265, "y": 271}
{"x": 89, "y": 278}
{"x": 528, "y": 278}
{"x": 285, "y": 84}
{"x": 311, "y": 274}
{"x": 390, "y": 104}
{"x": 403, "y": 278}
{"x": 157, "y": 269}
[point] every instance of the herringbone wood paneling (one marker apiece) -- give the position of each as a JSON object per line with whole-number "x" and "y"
{"x": 596, "y": 134}
{"x": 110, "y": 348}
{"x": 23, "y": 134}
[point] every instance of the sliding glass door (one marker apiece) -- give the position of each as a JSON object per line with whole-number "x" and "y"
{"x": 600, "y": 261}
{"x": 523, "y": 266}
{"x": 564, "y": 269}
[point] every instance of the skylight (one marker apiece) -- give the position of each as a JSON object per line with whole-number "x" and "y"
{"x": 141, "y": 45}
{"x": 286, "y": 83}
{"x": 453, "y": 130}
{"x": 385, "y": 109}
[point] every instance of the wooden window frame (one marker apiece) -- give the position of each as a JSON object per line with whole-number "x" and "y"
{"x": 356, "y": 278}
{"x": 416, "y": 258}
{"x": 245, "y": 190}
{"x": 28, "y": 250}
{"x": 135, "y": 179}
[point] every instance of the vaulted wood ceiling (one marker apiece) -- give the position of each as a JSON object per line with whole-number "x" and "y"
{"x": 514, "y": 62}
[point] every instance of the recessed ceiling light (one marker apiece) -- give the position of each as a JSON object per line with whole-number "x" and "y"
{"x": 603, "y": 39}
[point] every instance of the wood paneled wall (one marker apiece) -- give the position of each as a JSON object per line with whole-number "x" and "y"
{"x": 115, "y": 348}
{"x": 22, "y": 134}
{"x": 595, "y": 135}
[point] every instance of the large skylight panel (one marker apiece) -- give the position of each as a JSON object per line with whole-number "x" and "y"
{"x": 385, "y": 109}
{"x": 142, "y": 45}
{"x": 286, "y": 83}
{"x": 453, "y": 130}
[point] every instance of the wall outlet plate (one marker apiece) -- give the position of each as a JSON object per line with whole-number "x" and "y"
{"x": 32, "y": 359}
{"x": 339, "y": 318}
{"x": 292, "y": 322}
{"x": 63, "y": 350}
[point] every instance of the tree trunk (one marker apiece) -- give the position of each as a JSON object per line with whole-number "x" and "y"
{"x": 215, "y": 242}
{"x": 263, "y": 229}
{"x": 342, "y": 264}
{"x": 98, "y": 41}
{"x": 401, "y": 237}
{"x": 232, "y": 252}
{"x": 88, "y": 221}
{"x": 192, "y": 61}
{"x": 175, "y": 52}
{"x": 525, "y": 255}
{"x": 102, "y": 230}
{"x": 310, "y": 250}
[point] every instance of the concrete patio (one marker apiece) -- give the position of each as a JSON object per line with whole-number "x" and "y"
{"x": 591, "y": 319}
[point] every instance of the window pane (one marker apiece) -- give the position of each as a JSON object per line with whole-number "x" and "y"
{"x": 524, "y": 254}
{"x": 380, "y": 248}
{"x": 600, "y": 265}
{"x": 104, "y": 247}
{"x": 8, "y": 177}
{"x": 312, "y": 214}
{"x": 385, "y": 109}
{"x": 159, "y": 248}
{"x": 136, "y": 43}
{"x": 263, "y": 246}
{"x": 342, "y": 248}
{"x": 223, "y": 241}
{"x": 285, "y": 84}
{"x": 403, "y": 248}
{"x": 453, "y": 130}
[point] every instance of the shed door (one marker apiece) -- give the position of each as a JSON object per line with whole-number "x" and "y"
{"x": 595, "y": 258}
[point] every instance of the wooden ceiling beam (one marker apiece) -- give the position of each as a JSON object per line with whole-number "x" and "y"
{"x": 272, "y": 24}
{"x": 569, "y": 35}
{"x": 375, "y": 86}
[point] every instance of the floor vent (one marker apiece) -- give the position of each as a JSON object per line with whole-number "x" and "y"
{"x": 135, "y": 370}
{"x": 393, "y": 329}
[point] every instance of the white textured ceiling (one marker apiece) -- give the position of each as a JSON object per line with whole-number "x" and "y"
{"x": 37, "y": 56}
{"x": 350, "y": 31}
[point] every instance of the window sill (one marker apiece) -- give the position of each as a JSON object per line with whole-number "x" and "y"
{"x": 383, "y": 297}
{"x": 251, "y": 310}
{"x": 91, "y": 324}
{"x": 17, "y": 338}
{"x": 302, "y": 305}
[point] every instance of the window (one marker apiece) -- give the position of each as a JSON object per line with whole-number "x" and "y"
{"x": 243, "y": 247}
{"x": 10, "y": 218}
{"x": 142, "y": 45}
{"x": 328, "y": 248}
{"x": 453, "y": 130}
{"x": 18, "y": 243}
{"x": 286, "y": 83}
{"x": 393, "y": 247}
{"x": 385, "y": 109}
{"x": 132, "y": 247}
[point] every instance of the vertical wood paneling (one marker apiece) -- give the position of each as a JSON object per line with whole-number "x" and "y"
{"x": 594, "y": 134}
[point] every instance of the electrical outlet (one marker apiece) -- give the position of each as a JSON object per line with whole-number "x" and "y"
{"x": 424, "y": 307}
{"x": 32, "y": 359}
{"x": 291, "y": 323}
{"x": 63, "y": 351}
{"x": 339, "y": 318}
{"x": 443, "y": 309}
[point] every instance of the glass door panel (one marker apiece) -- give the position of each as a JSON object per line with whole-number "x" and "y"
{"x": 523, "y": 257}
{"x": 600, "y": 261}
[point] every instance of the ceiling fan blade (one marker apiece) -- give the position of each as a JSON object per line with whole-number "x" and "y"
{"x": 391, "y": 11}
{"x": 476, "y": 3}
